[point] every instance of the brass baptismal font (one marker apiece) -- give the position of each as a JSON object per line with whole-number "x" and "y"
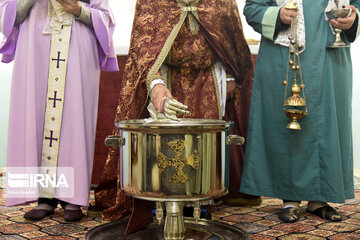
{"x": 295, "y": 105}
{"x": 173, "y": 163}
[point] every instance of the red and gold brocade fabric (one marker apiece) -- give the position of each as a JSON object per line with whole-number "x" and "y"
{"x": 192, "y": 82}
{"x": 190, "y": 50}
{"x": 190, "y": 72}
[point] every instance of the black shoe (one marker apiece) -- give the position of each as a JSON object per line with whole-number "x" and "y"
{"x": 37, "y": 214}
{"x": 289, "y": 214}
{"x": 328, "y": 213}
{"x": 73, "y": 215}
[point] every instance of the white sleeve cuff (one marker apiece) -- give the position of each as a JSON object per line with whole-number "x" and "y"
{"x": 155, "y": 82}
{"x": 230, "y": 79}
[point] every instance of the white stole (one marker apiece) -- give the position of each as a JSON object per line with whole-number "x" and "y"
{"x": 59, "y": 25}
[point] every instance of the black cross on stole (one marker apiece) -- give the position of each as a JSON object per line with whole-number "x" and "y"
{"x": 55, "y": 99}
{"x": 51, "y": 138}
{"x": 58, "y": 59}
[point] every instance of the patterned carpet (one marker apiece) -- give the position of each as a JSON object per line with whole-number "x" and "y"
{"x": 260, "y": 222}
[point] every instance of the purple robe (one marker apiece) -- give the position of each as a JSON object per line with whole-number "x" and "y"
{"x": 91, "y": 50}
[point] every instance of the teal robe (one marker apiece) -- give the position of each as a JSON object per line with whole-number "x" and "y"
{"x": 315, "y": 163}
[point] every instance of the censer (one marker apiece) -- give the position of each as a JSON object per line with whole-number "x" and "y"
{"x": 295, "y": 105}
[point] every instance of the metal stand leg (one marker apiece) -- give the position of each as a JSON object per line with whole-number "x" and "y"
{"x": 159, "y": 212}
{"x": 197, "y": 211}
{"x": 174, "y": 228}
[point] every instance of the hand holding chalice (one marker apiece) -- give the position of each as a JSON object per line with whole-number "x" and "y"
{"x": 341, "y": 18}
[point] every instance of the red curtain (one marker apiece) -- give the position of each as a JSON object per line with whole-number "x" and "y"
{"x": 108, "y": 101}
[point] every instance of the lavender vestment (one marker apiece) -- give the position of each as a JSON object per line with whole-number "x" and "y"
{"x": 90, "y": 51}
